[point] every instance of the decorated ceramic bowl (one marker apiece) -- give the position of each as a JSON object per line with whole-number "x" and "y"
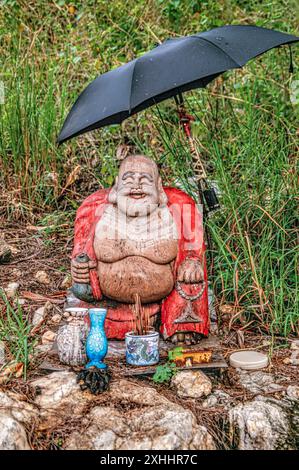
{"x": 142, "y": 350}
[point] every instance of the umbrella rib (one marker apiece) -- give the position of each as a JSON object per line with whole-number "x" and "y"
{"x": 218, "y": 47}
{"x": 130, "y": 107}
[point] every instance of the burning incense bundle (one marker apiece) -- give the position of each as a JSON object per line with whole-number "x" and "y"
{"x": 141, "y": 315}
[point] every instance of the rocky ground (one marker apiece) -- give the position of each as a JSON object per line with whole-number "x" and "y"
{"x": 52, "y": 412}
{"x": 48, "y": 410}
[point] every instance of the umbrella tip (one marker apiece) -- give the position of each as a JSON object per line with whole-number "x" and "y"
{"x": 58, "y": 141}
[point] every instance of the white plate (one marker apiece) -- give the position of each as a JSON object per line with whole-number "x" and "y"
{"x": 249, "y": 360}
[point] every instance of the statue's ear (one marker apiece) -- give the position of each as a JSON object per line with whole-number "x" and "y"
{"x": 162, "y": 195}
{"x": 112, "y": 193}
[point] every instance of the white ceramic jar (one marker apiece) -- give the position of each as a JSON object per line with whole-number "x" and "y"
{"x": 71, "y": 337}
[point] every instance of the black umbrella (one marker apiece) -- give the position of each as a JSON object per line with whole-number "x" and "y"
{"x": 175, "y": 66}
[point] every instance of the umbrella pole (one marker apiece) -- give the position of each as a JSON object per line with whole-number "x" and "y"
{"x": 198, "y": 168}
{"x": 207, "y": 197}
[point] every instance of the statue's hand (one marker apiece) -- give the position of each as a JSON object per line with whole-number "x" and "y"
{"x": 80, "y": 271}
{"x": 190, "y": 271}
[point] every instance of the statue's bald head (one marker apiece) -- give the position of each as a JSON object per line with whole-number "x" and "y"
{"x": 138, "y": 188}
{"x": 139, "y": 161}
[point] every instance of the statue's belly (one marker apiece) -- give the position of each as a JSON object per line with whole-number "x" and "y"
{"x": 132, "y": 275}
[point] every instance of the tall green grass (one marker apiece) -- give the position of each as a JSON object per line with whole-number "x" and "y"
{"x": 254, "y": 241}
{"x": 15, "y": 333}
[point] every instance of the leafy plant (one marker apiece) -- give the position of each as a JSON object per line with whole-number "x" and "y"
{"x": 164, "y": 372}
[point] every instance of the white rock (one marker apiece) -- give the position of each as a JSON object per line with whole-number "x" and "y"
{"x": 14, "y": 412}
{"x": 22, "y": 302}
{"x": 41, "y": 313}
{"x": 258, "y": 381}
{"x": 56, "y": 318}
{"x": 12, "y": 434}
{"x": 38, "y": 316}
{"x": 48, "y": 337}
{"x": 191, "y": 384}
{"x": 218, "y": 398}
{"x": 293, "y": 392}
{"x": 55, "y": 387}
{"x": 16, "y": 407}
{"x": 295, "y": 344}
{"x": 258, "y": 425}
{"x": 12, "y": 289}
{"x": 295, "y": 357}
{"x": 148, "y": 421}
{"x": 42, "y": 277}
{"x": 43, "y": 348}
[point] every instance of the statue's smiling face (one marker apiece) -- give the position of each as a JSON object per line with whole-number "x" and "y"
{"x": 137, "y": 189}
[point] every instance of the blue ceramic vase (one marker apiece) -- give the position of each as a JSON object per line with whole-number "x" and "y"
{"x": 97, "y": 344}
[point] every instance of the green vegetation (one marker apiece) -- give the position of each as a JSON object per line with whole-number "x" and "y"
{"x": 15, "y": 333}
{"x": 164, "y": 372}
{"x": 246, "y": 131}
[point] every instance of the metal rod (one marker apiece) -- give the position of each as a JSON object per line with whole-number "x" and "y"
{"x": 199, "y": 171}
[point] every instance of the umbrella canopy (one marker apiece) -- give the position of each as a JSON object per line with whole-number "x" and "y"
{"x": 175, "y": 66}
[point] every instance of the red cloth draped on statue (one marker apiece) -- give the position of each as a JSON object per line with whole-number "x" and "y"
{"x": 191, "y": 245}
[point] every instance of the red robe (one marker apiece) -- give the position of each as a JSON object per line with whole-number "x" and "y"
{"x": 191, "y": 245}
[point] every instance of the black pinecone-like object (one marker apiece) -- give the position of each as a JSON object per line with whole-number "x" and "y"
{"x": 95, "y": 380}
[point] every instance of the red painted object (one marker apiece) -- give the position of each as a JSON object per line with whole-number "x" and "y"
{"x": 191, "y": 245}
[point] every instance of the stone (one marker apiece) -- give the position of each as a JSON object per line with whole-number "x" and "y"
{"x": 12, "y": 434}
{"x": 41, "y": 313}
{"x": 56, "y": 318}
{"x": 142, "y": 419}
{"x": 66, "y": 282}
{"x": 217, "y": 398}
{"x": 14, "y": 413}
{"x": 11, "y": 369}
{"x": 293, "y": 392}
{"x": 16, "y": 407}
{"x": 293, "y": 360}
{"x": 38, "y": 316}
{"x": 258, "y": 381}
{"x": 295, "y": 344}
{"x": 55, "y": 388}
{"x": 295, "y": 357}
{"x": 48, "y": 337}
{"x": 5, "y": 252}
{"x": 12, "y": 289}
{"x": 43, "y": 348}
{"x": 191, "y": 384}
{"x": 42, "y": 277}
{"x": 21, "y": 302}
{"x": 59, "y": 398}
{"x": 259, "y": 425}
